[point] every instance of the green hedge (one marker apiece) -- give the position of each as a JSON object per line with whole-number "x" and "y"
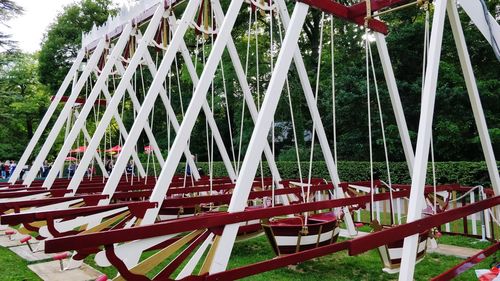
{"x": 466, "y": 173}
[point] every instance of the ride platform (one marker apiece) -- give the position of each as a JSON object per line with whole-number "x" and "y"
{"x": 52, "y": 271}
{"x": 25, "y": 253}
{"x": 454, "y": 251}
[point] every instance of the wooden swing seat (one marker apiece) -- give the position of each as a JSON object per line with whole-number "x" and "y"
{"x": 391, "y": 253}
{"x": 291, "y": 235}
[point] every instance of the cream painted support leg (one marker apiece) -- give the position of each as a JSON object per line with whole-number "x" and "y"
{"x": 48, "y": 115}
{"x": 423, "y": 141}
{"x": 123, "y": 132}
{"x": 208, "y": 113}
{"x": 97, "y": 156}
{"x": 137, "y": 106}
{"x": 152, "y": 94}
{"x": 473, "y": 217}
{"x": 264, "y": 122}
{"x": 217, "y": 136}
{"x": 488, "y": 25}
{"x": 100, "y": 86}
{"x": 195, "y": 259}
{"x": 249, "y": 101}
{"x": 197, "y": 100}
{"x": 54, "y": 132}
{"x": 117, "y": 97}
{"x": 76, "y": 180}
{"x": 397, "y": 106}
{"x": 170, "y": 111}
{"x": 66, "y": 133}
{"x": 475, "y": 100}
{"x": 311, "y": 102}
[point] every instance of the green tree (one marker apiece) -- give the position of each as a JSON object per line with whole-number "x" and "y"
{"x": 8, "y": 10}
{"x": 63, "y": 38}
{"x": 24, "y": 100}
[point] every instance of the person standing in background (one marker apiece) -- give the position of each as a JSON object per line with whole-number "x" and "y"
{"x": 109, "y": 166}
{"x": 44, "y": 170}
{"x": 12, "y": 167}
{"x": 6, "y": 169}
{"x": 72, "y": 168}
{"x": 130, "y": 168}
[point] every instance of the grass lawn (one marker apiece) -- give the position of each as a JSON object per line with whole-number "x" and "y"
{"x": 14, "y": 268}
{"x": 340, "y": 266}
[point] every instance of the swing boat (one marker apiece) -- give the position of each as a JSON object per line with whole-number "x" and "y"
{"x": 298, "y": 233}
{"x": 295, "y": 234}
{"x": 392, "y": 253}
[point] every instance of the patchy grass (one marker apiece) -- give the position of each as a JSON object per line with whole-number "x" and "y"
{"x": 15, "y": 268}
{"x": 464, "y": 241}
{"x": 338, "y": 266}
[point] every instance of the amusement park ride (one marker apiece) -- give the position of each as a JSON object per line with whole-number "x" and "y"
{"x": 193, "y": 220}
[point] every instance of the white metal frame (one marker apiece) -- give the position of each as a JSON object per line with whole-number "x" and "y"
{"x": 113, "y": 61}
{"x": 196, "y": 104}
{"x": 417, "y": 164}
{"x": 426, "y": 117}
{"x": 66, "y": 111}
{"x": 99, "y": 86}
{"x": 241, "y": 191}
{"x": 130, "y": 253}
{"x": 87, "y": 136}
{"x": 114, "y": 102}
{"x": 71, "y": 76}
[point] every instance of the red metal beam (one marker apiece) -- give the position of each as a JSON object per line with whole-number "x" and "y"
{"x": 393, "y": 234}
{"x": 275, "y": 263}
{"x": 359, "y": 9}
{"x": 282, "y": 261}
{"x": 14, "y": 219}
{"x": 468, "y": 263}
{"x": 80, "y": 100}
{"x": 344, "y": 12}
{"x": 209, "y": 220}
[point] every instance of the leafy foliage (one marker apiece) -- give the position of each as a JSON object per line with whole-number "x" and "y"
{"x": 455, "y": 134}
{"x": 24, "y": 101}
{"x": 8, "y": 10}
{"x": 63, "y": 39}
{"x": 465, "y": 173}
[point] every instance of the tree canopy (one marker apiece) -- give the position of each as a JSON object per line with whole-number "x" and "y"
{"x": 24, "y": 100}
{"x": 63, "y": 38}
{"x": 8, "y": 10}
{"x": 455, "y": 134}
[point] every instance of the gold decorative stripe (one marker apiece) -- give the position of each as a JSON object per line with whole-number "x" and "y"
{"x": 107, "y": 223}
{"x": 151, "y": 262}
{"x": 210, "y": 256}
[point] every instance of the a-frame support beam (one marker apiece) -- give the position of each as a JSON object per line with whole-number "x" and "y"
{"x": 423, "y": 141}
{"x": 473, "y": 92}
{"x": 197, "y": 100}
{"x": 100, "y": 86}
{"x": 426, "y": 117}
{"x": 97, "y": 156}
{"x": 397, "y": 106}
{"x": 176, "y": 44}
{"x": 264, "y": 122}
{"x": 72, "y": 74}
{"x": 123, "y": 86}
{"x": 66, "y": 111}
